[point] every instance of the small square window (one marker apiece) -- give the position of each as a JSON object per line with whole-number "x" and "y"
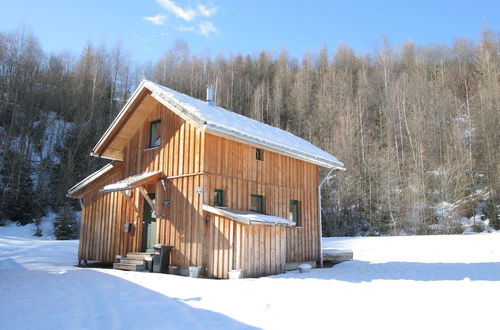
{"x": 294, "y": 214}
{"x": 218, "y": 197}
{"x": 257, "y": 203}
{"x": 259, "y": 154}
{"x": 154, "y": 134}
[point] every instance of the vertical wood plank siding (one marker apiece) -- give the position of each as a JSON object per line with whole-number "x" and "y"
{"x": 103, "y": 220}
{"x": 261, "y": 250}
{"x": 180, "y": 153}
{"x": 198, "y": 159}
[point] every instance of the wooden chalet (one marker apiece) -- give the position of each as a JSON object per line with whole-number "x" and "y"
{"x": 227, "y": 192}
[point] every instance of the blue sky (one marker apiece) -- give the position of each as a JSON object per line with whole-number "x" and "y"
{"x": 148, "y": 28}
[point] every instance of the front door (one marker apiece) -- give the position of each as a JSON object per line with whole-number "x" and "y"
{"x": 149, "y": 226}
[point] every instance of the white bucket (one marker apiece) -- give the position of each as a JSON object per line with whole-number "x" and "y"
{"x": 194, "y": 271}
{"x": 305, "y": 268}
{"x": 235, "y": 274}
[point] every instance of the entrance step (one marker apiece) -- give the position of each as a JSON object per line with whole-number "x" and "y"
{"x": 132, "y": 261}
{"x": 138, "y": 255}
{"x": 124, "y": 266}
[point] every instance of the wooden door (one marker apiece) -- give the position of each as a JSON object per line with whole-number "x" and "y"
{"x": 149, "y": 226}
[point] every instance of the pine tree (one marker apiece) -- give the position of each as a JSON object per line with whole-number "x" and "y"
{"x": 65, "y": 225}
{"x": 492, "y": 214}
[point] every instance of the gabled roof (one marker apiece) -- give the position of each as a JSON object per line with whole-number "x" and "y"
{"x": 214, "y": 120}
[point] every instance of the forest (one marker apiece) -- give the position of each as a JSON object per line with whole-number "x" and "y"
{"x": 415, "y": 125}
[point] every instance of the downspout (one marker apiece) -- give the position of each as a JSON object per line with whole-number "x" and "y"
{"x": 319, "y": 216}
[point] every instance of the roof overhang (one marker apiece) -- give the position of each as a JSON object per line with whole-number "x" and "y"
{"x": 132, "y": 182}
{"x": 248, "y": 217}
{"x": 78, "y": 188}
{"x": 277, "y": 149}
{"x": 111, "y": 144}
{"x": 142, "y": 103}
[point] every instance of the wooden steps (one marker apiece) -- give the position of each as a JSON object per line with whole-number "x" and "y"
{"x": 132, "y": 261}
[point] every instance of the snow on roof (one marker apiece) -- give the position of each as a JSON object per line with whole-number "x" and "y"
{"x": 248, "y": 217}
{"x": 89, "y": 179}
{"x": 131, "y": 182}
{"x": 224, "y": 122}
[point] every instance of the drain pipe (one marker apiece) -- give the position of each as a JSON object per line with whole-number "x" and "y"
{"x": 320, "y": 217}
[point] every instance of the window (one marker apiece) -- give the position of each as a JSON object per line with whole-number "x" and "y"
{"x": 257, "y": 203}
{"x": 218, "y": 197}
{"x": 259, "y": 154}
{"x": 294, "y": 214}
{"x": 154, "y": 134}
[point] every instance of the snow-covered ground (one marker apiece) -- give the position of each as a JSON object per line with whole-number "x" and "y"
{"x": 416, "y": 282}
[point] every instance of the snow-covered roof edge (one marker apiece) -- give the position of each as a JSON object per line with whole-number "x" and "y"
{"x": 249, "y": 218}
{"x": 310, "y": 153}
{"x": 91, "y": 178}
{"x": 186, "y": 107}
{"x": 130, "y": 182}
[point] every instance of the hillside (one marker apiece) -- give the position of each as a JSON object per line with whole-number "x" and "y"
{"x": 415, "y": 125}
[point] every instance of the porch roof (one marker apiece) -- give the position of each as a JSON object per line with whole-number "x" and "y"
{"x": 78, "y": 188}
{"x": 248, "y": 217}
{"x": 133, "y": 181}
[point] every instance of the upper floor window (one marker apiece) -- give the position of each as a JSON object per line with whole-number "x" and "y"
{"x": 154, "y": 134}
{"x": 259, "y": 154}
{"x": 294, "y": 214}
{"x": 257, "y": 203}
{"x": 218, "y": 197}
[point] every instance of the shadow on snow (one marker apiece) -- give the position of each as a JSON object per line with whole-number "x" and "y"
{"x": 81, "y": 298}
{"x": 363, "y": 271}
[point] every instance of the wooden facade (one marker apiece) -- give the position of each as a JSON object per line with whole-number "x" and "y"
{"x": 193, "y": 163}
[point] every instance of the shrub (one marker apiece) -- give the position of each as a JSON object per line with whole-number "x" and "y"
{"x": 492, "y": 215}
{"x": 65, "y": 225}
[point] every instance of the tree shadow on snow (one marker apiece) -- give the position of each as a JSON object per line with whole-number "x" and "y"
{"x": 88, "y": 299}
{"x": 363, "y": 271}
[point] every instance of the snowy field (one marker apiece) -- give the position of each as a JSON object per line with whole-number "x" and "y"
{"x": 417, "y": 282}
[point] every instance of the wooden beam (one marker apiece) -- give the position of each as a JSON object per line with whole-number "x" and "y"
{"x": 130, "y": 201}
{"x": 144, "y": 194}
{"x": 184, "y": 175}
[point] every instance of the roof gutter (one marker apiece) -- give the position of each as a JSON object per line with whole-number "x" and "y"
{"x": 320, "y": 216}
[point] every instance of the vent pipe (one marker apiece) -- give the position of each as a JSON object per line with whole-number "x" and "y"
{"x": 210, "y": 95}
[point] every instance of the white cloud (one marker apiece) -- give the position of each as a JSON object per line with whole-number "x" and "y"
{"x": 206, "y": 28}
{"x": 206, "y": 11}
{"x": 192, "y": 16}
{"x": 186, "y": 14}
{"x": 156, "y": 20}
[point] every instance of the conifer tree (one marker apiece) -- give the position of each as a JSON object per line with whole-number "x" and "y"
{"x": 65, "y": 225}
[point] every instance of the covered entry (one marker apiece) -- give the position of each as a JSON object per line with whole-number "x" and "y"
{"x": 147, "y": 218}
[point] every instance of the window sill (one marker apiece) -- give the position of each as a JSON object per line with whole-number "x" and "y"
{"x": 151, "y": 148}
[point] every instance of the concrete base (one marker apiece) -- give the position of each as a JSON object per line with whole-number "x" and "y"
{"x": 173, "y": 270}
